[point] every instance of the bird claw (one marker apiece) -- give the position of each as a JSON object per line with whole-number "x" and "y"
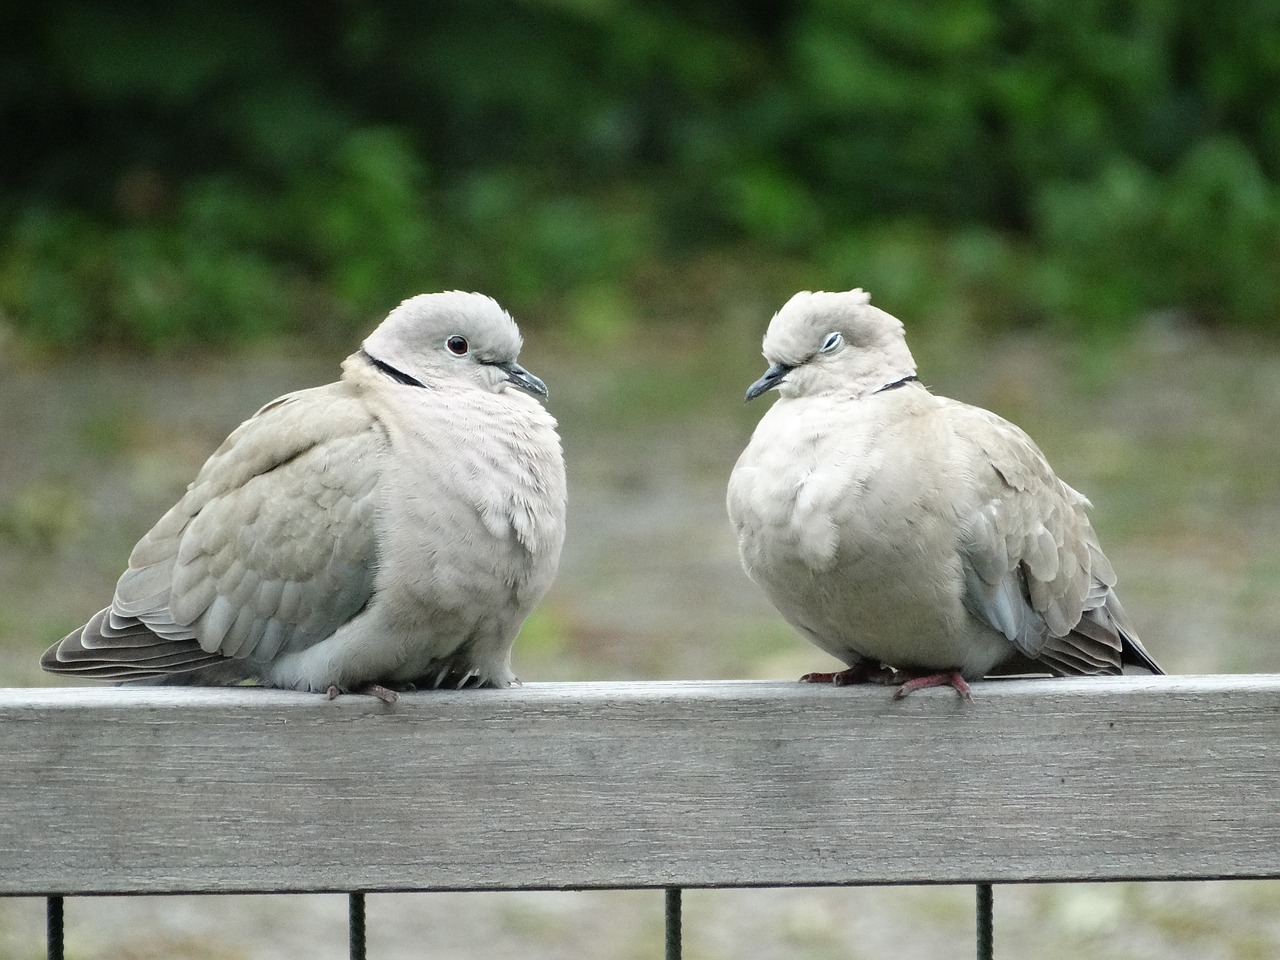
{"x": 385, "y": 694}
{"x": 867, "y": 672}
{"x": 818, "y": 678}
{"x": 944, "y": 678}
{"x": 872, "y": 672}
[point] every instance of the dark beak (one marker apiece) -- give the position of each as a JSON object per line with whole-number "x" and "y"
{"x": 522, "y": 378}
{"x": 772, "y": 377}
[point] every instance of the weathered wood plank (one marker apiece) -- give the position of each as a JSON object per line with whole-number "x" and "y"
{"x": 638, "y": 784}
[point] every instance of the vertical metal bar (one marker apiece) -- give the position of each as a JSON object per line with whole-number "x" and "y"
{"x": 673, "y": 910}
{"x": 986, "y": 925}
{"x": 355, "y": 926}
{"x": 53, "y": 927}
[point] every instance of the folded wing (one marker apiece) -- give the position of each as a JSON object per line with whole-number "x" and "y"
{"x": 271, "y": 549}
{"x": 1034, "y": 569}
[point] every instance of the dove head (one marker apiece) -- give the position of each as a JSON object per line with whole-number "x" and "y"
{"x": 833, "y": 342}
{"x": 452, "y": 336}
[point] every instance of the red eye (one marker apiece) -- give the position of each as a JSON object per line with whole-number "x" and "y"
{"x": 457, "y": 345}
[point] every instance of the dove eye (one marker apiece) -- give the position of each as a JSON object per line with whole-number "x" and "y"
{"x": 833, "y": 342}
{"x": 458, "y": 346}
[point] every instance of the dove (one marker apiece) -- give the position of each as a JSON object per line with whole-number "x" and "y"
{"x": 920, "y": 540}
{"x": 388, "y": 531}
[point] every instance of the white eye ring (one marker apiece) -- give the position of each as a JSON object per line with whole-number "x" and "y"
{"x": 457, "y": 345}
{"x": 833, "y": 343}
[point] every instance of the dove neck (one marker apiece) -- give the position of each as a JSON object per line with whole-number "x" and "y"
{"x": 399, "y": 376}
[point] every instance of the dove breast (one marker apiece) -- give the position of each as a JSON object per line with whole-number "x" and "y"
{"x": 842, "y": 523}
{"x": 471, "y": 524}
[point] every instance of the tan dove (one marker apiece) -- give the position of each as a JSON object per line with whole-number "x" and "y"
{"x": 389, "y": 530}
{"x": 898, "y": 529}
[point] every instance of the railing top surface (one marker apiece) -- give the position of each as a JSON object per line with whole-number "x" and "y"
{"x": 1014, "y": 688}
{"x": 555, "y": 785}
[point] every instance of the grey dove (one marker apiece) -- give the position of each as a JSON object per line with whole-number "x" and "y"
{"x": 920, "y": 540}
{"x": 387, "y": 531}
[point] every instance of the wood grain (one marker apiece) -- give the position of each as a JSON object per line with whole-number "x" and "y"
{"x": 638, "y": 785}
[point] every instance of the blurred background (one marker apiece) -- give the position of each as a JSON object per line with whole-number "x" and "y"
{"x": 1074, "y": 208}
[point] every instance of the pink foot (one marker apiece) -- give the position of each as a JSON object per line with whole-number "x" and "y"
{"x": 948, "y": 678}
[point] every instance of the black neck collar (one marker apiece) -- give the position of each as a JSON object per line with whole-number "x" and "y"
{"x": 909, "y": 378}
{"x": 399, "y": 376}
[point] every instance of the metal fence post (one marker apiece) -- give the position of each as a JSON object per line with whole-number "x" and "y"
{"x": 673, "y": 921}
{"x": 53, "y": 928}
{"x": 986, "y": 925}
{"x": 355, "y": 926}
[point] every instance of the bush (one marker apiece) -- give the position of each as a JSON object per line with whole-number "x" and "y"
{"x": 176, "y": 173}
{"x": 1204, "y": 239}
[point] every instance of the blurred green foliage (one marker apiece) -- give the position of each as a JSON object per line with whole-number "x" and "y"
{"x": 180, "y": 172}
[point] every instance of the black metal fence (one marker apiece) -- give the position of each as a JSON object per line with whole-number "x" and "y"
{"x": 673, "y": 934}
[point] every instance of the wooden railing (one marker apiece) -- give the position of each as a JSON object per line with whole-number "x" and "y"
{"x": 649, "y": 785}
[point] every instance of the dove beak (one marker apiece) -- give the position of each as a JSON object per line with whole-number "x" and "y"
{"x": 772, "y": 377}
{"x": 522, "y": 378}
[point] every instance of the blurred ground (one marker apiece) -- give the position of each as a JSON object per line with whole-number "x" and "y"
{"x": 1174, "y": 435}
